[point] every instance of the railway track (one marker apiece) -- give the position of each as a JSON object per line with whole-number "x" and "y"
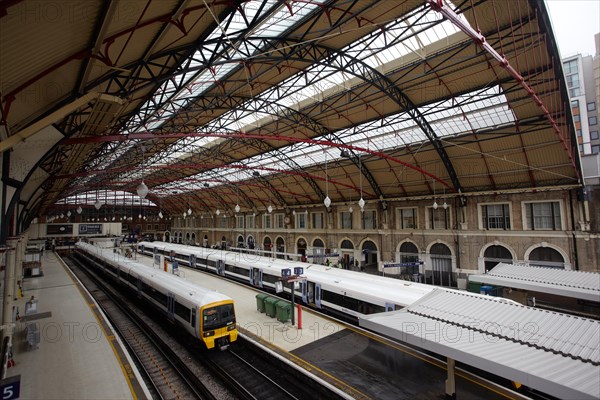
{"x": 255, "y": 374}
{"x": 244, "y": 371}
{"x": 167, "y": 375}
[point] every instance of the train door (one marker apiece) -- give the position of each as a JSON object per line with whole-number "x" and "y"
{"x": 251, "y": 276}
{"x": 194, "y": 323}
{"x": 311, "y": 293}
{"x": 138, "y": 284}
{"x": 170, "y": 306}
{"x": 318, "y": 295}
{"x": 390, "y": 306}
{"x": 220, "y": 267}
{"x": 257, "y": 277}
{"x": 303, "y": 289}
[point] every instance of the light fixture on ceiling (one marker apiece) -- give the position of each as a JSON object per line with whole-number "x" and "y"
{"x": 217, "y": 212}
{"x": 79, "y": 210}
{"x": 142, "y": 189}
{"x": 350, "y": 209}
{"x": 270, "y": 209}
{"x": 189, "y": 211}
{"x": 327, "y": 200}
{"x": 69, "y": 213}
{"x": 160, "y": 214}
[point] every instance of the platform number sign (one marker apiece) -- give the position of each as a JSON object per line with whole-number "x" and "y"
{"x": 285, "y": 272}
{"x": 10, "y": 388}
{"x": 298, "y": 271}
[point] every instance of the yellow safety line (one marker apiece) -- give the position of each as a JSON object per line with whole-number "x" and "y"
{"x": 110, "y": 342}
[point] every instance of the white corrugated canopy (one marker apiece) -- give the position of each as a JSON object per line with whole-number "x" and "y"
{"x": 576, "y": 284}
{"x": 551, "y": 352}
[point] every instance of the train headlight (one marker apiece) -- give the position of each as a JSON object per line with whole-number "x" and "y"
{"x": 209, "y": 333}
{"x": 230, "y": 328}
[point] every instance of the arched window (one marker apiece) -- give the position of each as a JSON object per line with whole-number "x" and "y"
{"x": 318, "y": 251}
{"x": 546, "y": 257}
{"x": 280, "y": 247}
{"x": 409, "y": 252}
{"x": 494, "y": 255}
{"x": 301, "y": 245}
{"x": 441, "y": 265}
{"x": 346, "y": 244}
{"x": 369, "y": 251}
{"x": 267, "y": 243}
{"x": 240, "y": 241}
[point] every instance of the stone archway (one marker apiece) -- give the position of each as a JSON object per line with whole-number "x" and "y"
{"x": 280, "y": 247}
{"x": 370, "y": 257}
{"x": 496, "y": 254}
{"x": 546, "y": 256}
{"x": 441, "y": 265}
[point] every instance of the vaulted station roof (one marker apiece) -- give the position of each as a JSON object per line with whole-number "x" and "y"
{"x": 215, "y": 103}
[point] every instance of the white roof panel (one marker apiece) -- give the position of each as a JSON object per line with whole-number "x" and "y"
{"x": 576, "y": 284}
{"x": 552, "y": 352}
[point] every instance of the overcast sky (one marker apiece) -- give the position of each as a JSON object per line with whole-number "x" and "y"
{"x": 575, "y": 22}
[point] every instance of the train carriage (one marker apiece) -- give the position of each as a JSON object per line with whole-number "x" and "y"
{"x": 348, "y": 294}
{"x": 201, "y": 312}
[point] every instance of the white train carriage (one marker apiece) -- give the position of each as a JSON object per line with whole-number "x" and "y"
{"x": 203, "y": 313}
{"x": 346, "y": 293}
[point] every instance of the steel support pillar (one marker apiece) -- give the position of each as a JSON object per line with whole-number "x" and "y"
{"x": 8, "y": 302}
{"x": 451, "y": 380}
{"x": 19, "y": 255}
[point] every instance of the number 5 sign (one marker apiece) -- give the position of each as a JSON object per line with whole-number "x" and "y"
{"x": 10, "y": 388}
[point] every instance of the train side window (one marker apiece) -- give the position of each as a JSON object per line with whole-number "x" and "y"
{"x": 182, "y": 311}
{"x": 193, "y": 323}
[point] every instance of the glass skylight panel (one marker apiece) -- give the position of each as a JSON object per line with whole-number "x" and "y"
{"x": 281, "y": 20}
{"x": 109, "y": 197}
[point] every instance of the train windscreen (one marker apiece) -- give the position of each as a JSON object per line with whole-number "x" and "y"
{"x": 218, "y": 317}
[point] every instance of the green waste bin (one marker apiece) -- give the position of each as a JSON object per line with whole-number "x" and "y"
{"x": 474, "y": 287}
{"x": 260, "y": 302}
{"x": 284, "y": 311}
{"x": 270, "y": 306}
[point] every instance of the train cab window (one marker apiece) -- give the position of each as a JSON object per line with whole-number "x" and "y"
{"x": 218, "y": 317}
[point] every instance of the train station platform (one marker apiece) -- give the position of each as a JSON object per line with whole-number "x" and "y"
{"x": 63, "y": 347}
{"x": 361, "y": 364}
